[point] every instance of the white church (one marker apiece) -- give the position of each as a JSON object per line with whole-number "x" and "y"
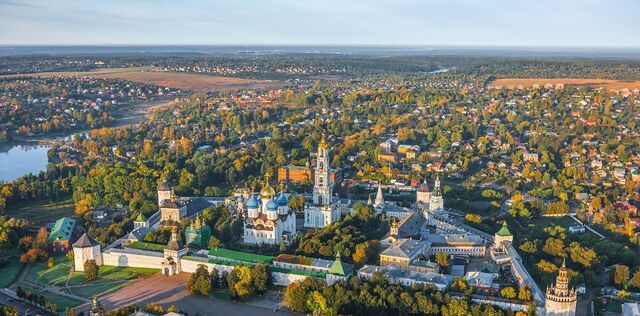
{"x": 325, "y": 209}
{"x": 267, "y": 218}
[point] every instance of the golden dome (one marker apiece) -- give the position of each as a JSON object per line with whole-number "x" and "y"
{"x": 323, "y": 141}
{"x": 267, "y": 191}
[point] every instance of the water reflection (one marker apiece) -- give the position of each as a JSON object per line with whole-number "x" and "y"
{"x": 19, "y": 159}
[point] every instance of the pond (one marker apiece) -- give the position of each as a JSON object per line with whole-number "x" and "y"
{"x": 20, "y": 159}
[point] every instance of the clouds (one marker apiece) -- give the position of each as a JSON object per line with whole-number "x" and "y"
{"x": 312, "y": 22}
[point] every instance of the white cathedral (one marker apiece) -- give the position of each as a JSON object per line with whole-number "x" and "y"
{"x": 268, "y": 218}
{"x": 325, "y": 209}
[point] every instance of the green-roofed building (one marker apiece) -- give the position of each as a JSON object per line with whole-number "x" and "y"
{"x": 141, "y": 221}
{"x": 61, "y": 233}
{"x": 239, "y": 257}
{"x": 503, "y": 235}
{"x": 339, "y": 270}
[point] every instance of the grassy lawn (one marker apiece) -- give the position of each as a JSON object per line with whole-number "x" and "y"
{"x": 9, "y": 271}
{"x": 223, "y": 295}
{"x": 110, "y": 278}
{"x": 275, "y": 287}
{"x": 147, "y": 246}
{"x": 40, "y": 273}
{"x": 614, "y": 306}
{"x": 564, "y": 221}
{"x": 61, "y": 301}
{"x": 43, "y": 211}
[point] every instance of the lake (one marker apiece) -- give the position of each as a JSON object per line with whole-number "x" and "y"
{"x": 20, "y": 159}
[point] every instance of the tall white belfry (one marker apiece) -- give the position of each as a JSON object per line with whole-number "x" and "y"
{"x": 436, "y": 201}
{"x": 323, "y": 188}
{"x": 324, "y": 209}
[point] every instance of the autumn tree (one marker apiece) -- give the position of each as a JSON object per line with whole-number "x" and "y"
{"x": 554, "y": 247}
{"x": 582, "y": 255}
{"x": 524, "y": 293}
{"x": 621, "y": 275}
{"x": 508, "y": 292}
{"x": 442, "y": 259}
{"x": 240, "y": 282}
{"x": 214, "y": 242}
{"x": 635, "y": 280}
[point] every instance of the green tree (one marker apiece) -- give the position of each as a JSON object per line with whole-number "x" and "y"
{"x": 261, "y": 278}
{"x": 529, "y": 247}
{"x": 90, "y": 270}
{"x": 363, "y": 211}
{"x": 200, "y": 282}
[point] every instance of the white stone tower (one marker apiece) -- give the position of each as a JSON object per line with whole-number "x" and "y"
{"x": 436, "y": 202}
{"x": 86, "y": 248}
{"x": 423, "y": 195}
{"x": 165, "y": 191}
{"x": 171, "y": 264}
{"x": 560, "y": 299}
{"x": 323, "y": 188}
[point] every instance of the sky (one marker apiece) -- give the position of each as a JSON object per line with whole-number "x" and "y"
{"x": 512, "y": 23}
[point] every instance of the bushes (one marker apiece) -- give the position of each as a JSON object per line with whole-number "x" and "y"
{"x": 376, "y": 296}
{"x": 201, "y": 282}
{"x": 90, "y": 270}
{"x": 37, "y": 300}
{"x": 244, "y": 282}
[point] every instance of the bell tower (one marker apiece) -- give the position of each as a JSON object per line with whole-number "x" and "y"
{"x": 560, "y": 299}
{"x": 323, "y": 188}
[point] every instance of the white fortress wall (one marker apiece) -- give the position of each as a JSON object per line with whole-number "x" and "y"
{"x": 127, "y": 258}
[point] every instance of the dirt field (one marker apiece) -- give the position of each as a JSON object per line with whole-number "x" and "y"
{"x": 515, "y": 83}
{"x": 184, "y": 81}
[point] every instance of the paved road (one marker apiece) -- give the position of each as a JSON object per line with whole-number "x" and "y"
{"x": 169, "y": 291}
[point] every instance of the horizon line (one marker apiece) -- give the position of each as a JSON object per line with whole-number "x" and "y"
{"x": 414, "y": 46}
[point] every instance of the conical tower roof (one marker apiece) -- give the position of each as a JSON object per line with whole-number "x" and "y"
{"x": 379, "y": 197}
{"x": 504, "y": 231}
{"x": 85, "y": 241}
{"x": 337, "y": 268}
